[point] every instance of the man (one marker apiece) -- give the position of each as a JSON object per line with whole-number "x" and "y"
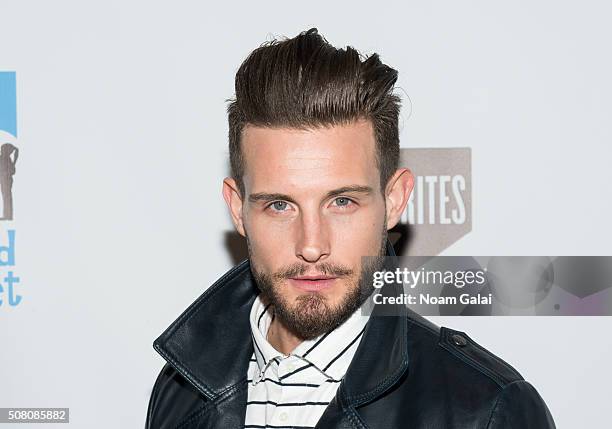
{"x": 281, "y": 340}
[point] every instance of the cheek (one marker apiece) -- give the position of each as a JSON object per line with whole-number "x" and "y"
{"x": 268, "y": 241}
{"x": 358, "y": 233}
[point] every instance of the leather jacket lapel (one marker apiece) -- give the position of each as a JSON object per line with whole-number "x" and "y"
{"x": 209, "y": 344}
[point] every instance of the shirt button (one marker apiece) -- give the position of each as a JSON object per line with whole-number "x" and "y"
{"x": 291, "y": 367}
{"x": 283, "y": 416}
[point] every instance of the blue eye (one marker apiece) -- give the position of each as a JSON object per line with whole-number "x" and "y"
{"x": 279, "y": 205}
{"x": 345, "y": 202}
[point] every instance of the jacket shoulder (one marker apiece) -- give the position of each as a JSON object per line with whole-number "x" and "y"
{"x": 471, "y": 353}
{"x": 173, "y": 400}
{"x": 464, "y": 349}
{"x": 452, "y": 361}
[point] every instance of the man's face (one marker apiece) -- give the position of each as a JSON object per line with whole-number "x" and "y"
{"x": 312, "y": 209}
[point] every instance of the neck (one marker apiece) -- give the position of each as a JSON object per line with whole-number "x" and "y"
{"x": 281, "y": 338}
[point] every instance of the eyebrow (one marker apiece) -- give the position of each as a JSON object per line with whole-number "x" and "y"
{"x": 359, "y": 189}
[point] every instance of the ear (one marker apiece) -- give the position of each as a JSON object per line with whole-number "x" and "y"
{"x": 398, "y": 190}
{"x": 232, "y": 197}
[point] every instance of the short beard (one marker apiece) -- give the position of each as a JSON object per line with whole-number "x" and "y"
{"x": 312, "y": 316}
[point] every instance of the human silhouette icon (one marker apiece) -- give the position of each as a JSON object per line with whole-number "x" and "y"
{"x": 8, "y": 159}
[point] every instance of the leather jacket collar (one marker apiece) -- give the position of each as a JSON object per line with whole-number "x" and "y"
{"x": 210, "y": 343}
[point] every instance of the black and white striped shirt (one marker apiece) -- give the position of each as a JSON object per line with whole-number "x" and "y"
{"x": 292, "y": 391}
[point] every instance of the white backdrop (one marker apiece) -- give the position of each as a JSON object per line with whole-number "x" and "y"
{"x": 123, "y": 146}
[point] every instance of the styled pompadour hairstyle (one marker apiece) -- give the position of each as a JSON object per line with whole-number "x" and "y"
{"x": 306, "y": 83}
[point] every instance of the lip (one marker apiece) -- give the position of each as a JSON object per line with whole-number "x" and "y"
{"x": 312, "y": 283}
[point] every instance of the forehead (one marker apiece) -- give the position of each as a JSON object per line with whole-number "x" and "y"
{"x": 319, "y": 158}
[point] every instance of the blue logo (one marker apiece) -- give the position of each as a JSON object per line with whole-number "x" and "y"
{"x": 8, "y": 103}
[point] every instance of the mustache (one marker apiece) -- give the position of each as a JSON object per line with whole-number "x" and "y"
{"x": 324, "y": 268}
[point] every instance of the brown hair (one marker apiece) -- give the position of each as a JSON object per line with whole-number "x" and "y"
{"x": 305, "y": 83}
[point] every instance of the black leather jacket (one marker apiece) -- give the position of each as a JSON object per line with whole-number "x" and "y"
{"x": 406, "y": 373}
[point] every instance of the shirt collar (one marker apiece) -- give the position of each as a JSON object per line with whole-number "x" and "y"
{"x": 331, "y": 353}
{"x": 260, "y": 318}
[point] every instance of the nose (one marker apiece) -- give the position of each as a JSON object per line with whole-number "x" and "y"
{"x": 313, "y": 243}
